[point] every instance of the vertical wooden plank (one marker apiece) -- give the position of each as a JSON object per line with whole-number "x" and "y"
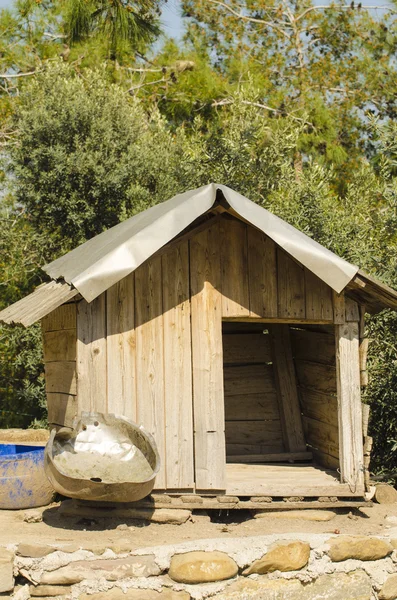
{"x": 120, "y": 335}
{"x": 206, "y": 323}
{"x": 291, "y": 287}
{"x": 91, "y": 355}
{"x": 232, "y": 247}
{"x": 178, "y": 368}
{"x": 339, "y": 307}
{"x": 150, "y": 356}
{"x": 262, "y": 274}
{"x": 352, "y": 310}
{"x": 349, "y": 404}
{"x": 318, "y": 298}
{"x": 287, "y": 390}
{"x": 63, "y": 317}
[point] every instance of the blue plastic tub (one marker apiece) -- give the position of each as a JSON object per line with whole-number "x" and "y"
{"x": 23, "y": 483}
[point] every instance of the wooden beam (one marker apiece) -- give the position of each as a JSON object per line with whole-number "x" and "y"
{"x": 91, "y": 355}
{"x": 120, "y": 336}
{"x": 281, "y": 457}
{"x": 150, "y": 356}
{"x": 207, "y": 360}
{"x": 178, "y": 395}
{"x": 234, "y": 268}
{"x": 349, "y": 404}
{"x": 339, "y": 307}
{"x": 262, "y": 274}
{"x": 284, "y": 371}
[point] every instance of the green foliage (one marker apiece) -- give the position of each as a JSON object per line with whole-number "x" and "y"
{"x": 22, "y": 390}
{"x": 382, "y": 391}
{"x": 88, "y": 155}
{"x": 120, "y": 24}
{"x": 22, "y": 250}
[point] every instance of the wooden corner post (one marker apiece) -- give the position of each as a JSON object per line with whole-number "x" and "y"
{"x": 349, "y": 405}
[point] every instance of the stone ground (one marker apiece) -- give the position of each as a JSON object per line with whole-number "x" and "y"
{"x": 56, "y": 529}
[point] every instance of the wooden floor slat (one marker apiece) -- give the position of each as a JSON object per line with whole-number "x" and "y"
{"x": 285, "y": 480}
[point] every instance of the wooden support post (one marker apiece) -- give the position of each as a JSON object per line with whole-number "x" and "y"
{"x": 208, "y": 398}
{"x": 339, "y": 308}
{"x": 284, "y": 371}
{"x": 349, "y": 404}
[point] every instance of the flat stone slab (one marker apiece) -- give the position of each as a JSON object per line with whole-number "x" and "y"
{"x": 285, "y": 556}
{"x": 389, "y": 589}
{"x": 176, "y": 516}
{"x": 202, "y": 567}
{"x": 302, "y": 515}
{"x": 340, "y": 586}
{"x": 45, "y": 591}
{"x": 131, "y": 594}
{"x": 110, "y": 569}
{"x": 359, "y": 548}
{"x": 6, "y": 570}
{"x": 34, "y": 550}
{"x": 385, "y": 494}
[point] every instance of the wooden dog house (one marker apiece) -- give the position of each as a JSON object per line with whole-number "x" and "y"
{"x": 232, "y": 337}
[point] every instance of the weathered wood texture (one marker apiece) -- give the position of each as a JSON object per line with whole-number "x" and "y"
{"x": 206, "y": 308}
{"x": 150, "y": 348}
{"x": 314, "y": 355}
{"x": 252, "y": 414}
{"x": 178, "y": 368}
{"x": 349, "y": 400}
{"x": 120, "y": 339}
{"x": 286, "y": 386}
{"x": 91, "y": 355}
{"x": 47, "y": 297}
{"x": 59, "y": 344}
{"x": 150, "y": 356}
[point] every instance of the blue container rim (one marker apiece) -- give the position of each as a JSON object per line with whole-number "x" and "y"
{"x": 31, "y": 453}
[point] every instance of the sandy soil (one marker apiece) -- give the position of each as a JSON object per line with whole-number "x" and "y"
{"x": 59, "y": 530}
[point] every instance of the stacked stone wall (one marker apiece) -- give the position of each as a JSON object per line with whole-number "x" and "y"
{"x": 283, "y": 567}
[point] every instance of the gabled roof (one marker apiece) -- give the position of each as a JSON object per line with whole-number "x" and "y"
{"x": 102, "y": 261}
{"x": 105, "y": 259}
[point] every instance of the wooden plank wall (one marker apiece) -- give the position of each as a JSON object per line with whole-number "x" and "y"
{"x": 59, "y": 344}
{"x": 252, "y": 415}
{"x": 151, "y": 346}
{"x": 314, "y": 356}
{"x": 259, "y": 280}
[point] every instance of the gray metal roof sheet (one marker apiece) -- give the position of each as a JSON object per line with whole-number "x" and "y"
{"x": 103, "y": 260}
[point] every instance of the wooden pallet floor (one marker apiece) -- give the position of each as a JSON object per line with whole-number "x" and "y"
{"x": 285, "y": 480}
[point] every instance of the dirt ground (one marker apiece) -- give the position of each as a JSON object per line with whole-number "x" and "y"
{"x": 59, "y": 530}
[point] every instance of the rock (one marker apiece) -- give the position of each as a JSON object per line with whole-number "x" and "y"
{"x": 34, "y": 550}
{"x": 228, "y": 499}
{"x": 389, "y": 589}
{"x": 33, "y": 516}
{"x": 110, "y": 569}
{"x": 202, "y": 567}
{"x": 261, "y": 589}
{"x": 6, "y": 570}
{"x": 176, "y": 516}
{"x": 303, "y": 515}
{"x": 200, "y": 516}
{"x": 70, "y": 548}
{"x": 360, "y": 548}
{"x": 385, "y": 494}
{"x": 285, "y": 556}
{"x": 22, "y": 593}
{"x": 394, "y": 544}
{"x": 340, "y": 586}
{"x": 392, "y": 519}
{"x": 48, "y": 590}
{"x": 131, "y": 594}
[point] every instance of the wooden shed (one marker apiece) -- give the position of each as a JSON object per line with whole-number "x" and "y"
{"x": 234, "y": 339}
